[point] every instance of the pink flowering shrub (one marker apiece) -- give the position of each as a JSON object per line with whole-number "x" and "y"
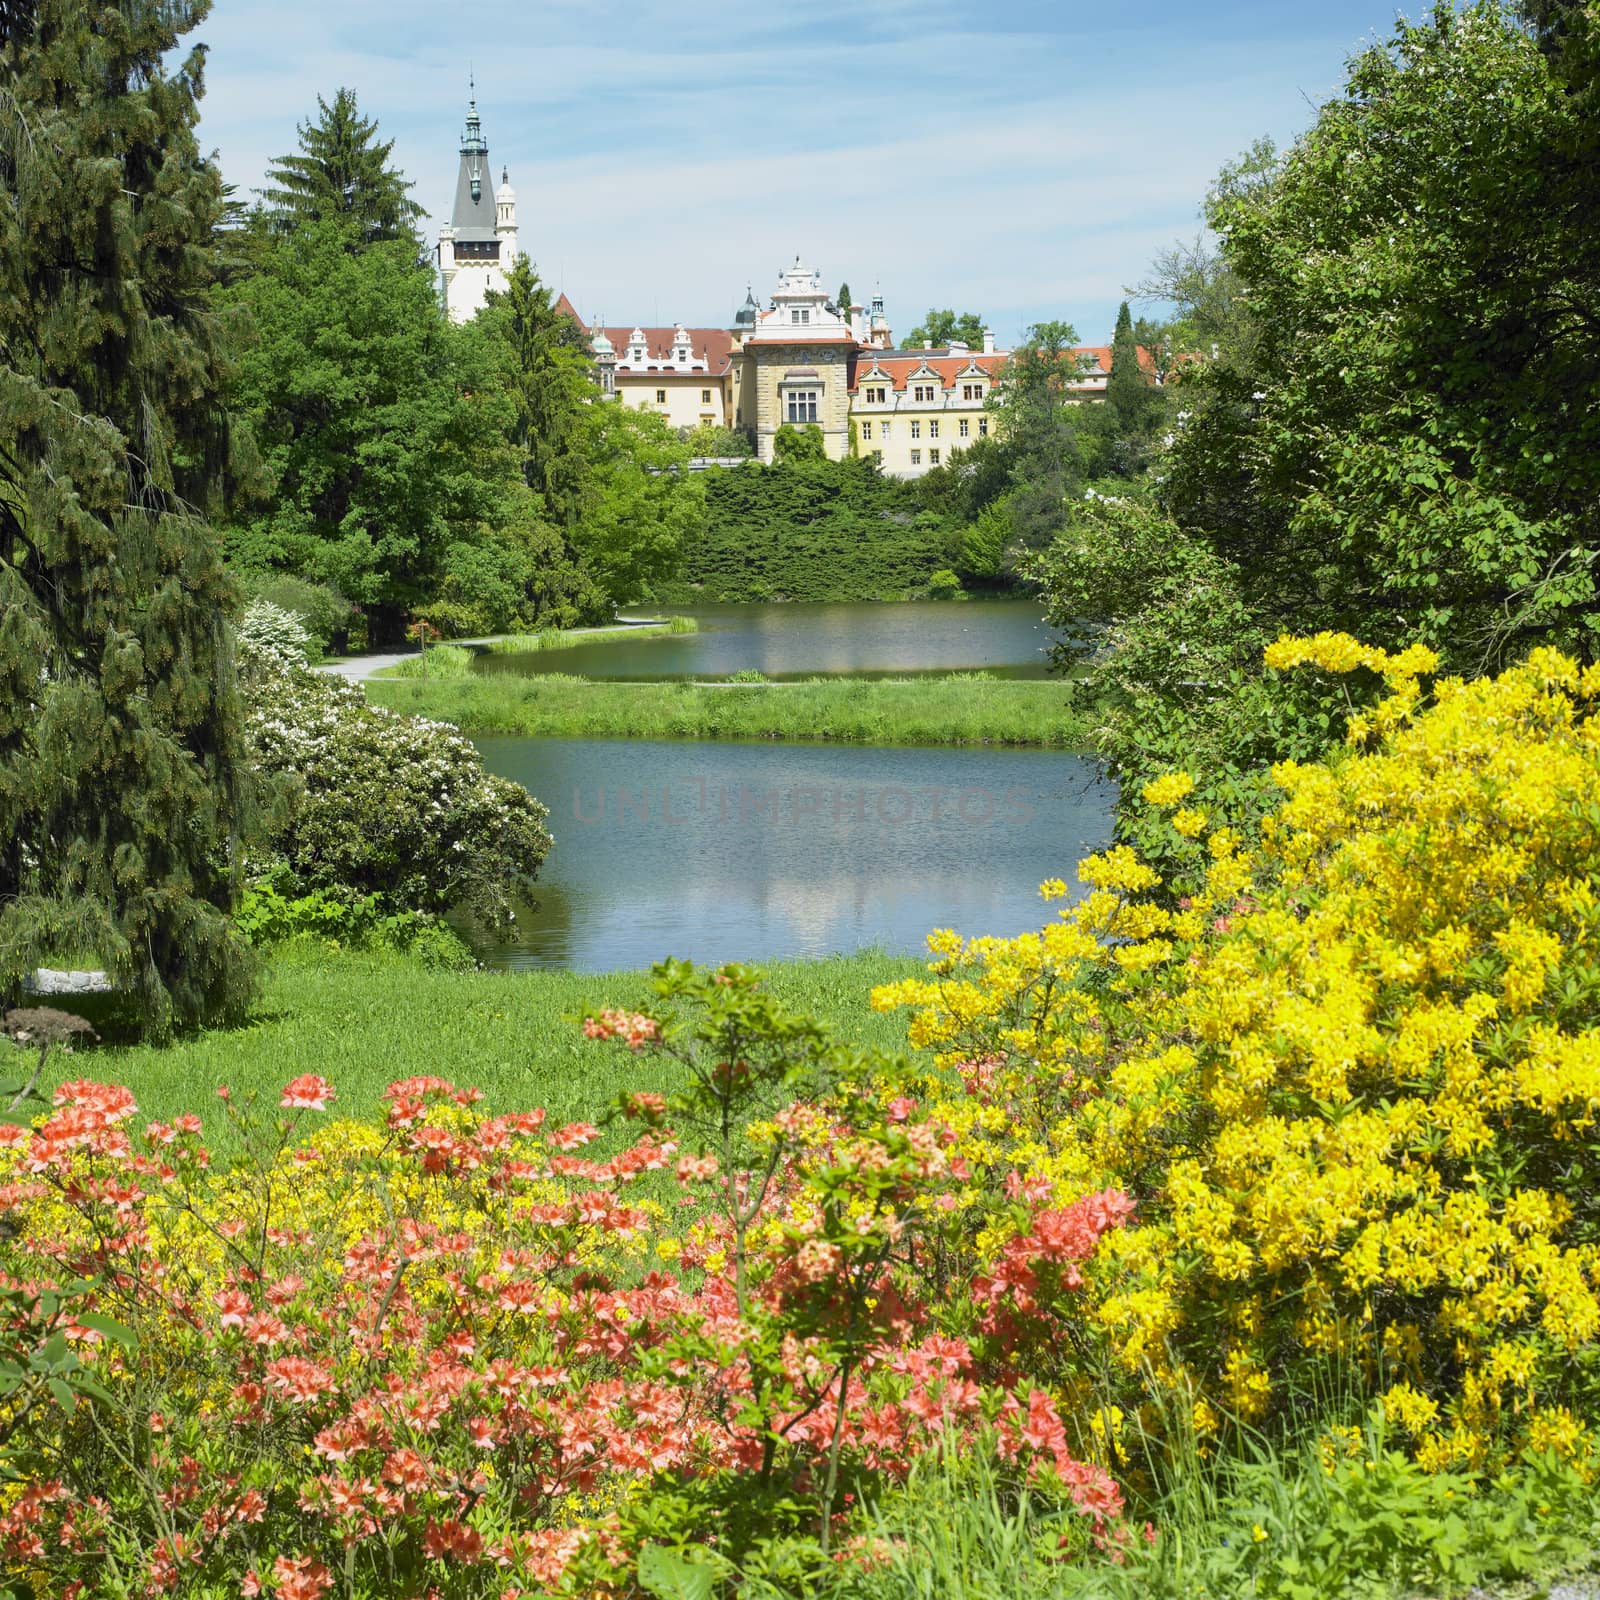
{"x": 462, "y": 1353}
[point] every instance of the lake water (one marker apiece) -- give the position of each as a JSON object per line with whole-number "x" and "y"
{"x": 1006, "y": 637}
{"x": 755, "y": 852}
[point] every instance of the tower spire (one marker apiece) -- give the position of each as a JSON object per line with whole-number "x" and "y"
{"x": 473, "y": 145}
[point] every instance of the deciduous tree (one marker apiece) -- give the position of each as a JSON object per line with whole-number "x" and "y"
{"x": 941, "y": 328}
{"x": 384, "y": 427}
{"x": 1412, "y": 449}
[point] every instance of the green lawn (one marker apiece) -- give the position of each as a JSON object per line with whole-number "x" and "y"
{"x": 365, "y": 1020}
{"x": 960, "y": 710}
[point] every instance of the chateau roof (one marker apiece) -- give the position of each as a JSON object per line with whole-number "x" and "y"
{"x": 898, "y": 367}
{"x": 714, "y": 346}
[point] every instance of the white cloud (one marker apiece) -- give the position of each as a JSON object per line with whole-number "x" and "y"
{"x": 1022, "y": 159}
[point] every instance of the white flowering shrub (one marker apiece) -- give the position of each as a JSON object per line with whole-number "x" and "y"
{"x": 271, "y": 639}
{"x": 375, "y": 803}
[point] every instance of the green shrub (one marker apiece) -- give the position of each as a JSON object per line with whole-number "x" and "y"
{"x": 812, "y": 530}
{"x": 370, "y": 802}
{"x": 272, "y": 638}
{"x": 324, "y": 613}
{"x": 271, "y": 913}
{"x": 944, "y": 585}
{"x": 456, "y": 619}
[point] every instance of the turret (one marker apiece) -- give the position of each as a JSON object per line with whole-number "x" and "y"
{"x": 505, "y": 220}
{"x": 481, "y": 240}
{"x": 745, "y": 318}
{"x": 605, "y": 361}
{"x": 881, "y": 336}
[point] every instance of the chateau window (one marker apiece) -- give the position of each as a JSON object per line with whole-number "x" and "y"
{"x": 916, "y": 458}
{"x": 802, "y": 405}
{"x": 933, "y": 458}
{"x": 661, "y": 397}
{"x": 866, "y": 430}
{"x": 963, "y": 428}
{"x": 705, "y": 397}
{"x": 883, "y": 431}
{"x": 972, "y": 391}
{"x": 933, "y": 428}
{"x": 983, "y": 427}
{"x": 877, "y": 455}
{"x": 916, "y": 430}
{"x": 926, "y": 393}
{"x": 876, "y": 397}
{"x": 799, "y": 314}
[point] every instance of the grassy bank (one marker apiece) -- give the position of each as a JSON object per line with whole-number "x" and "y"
{"x": 365, "y": 1020}
{"x": 455, "y": 660}
{"x": 962, "y": 710}
{"x": 564, "y": 638}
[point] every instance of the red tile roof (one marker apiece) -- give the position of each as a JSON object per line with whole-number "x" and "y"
{"x": 713, "y": 345}
{"x": 897, "y": 368}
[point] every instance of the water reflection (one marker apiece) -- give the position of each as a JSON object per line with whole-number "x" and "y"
{"x": 762, "y": 852}
{"x": 1007, "y": 637}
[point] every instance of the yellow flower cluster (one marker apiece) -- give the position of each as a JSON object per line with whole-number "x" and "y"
{"x": 1353, "y": 1083}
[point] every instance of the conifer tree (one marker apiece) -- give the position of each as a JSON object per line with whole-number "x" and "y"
{"x": 550, "y": 388}
{"x": 341, "y": 172}
{"x": 1127, "y": 389}
{"x": 120, "y": 773}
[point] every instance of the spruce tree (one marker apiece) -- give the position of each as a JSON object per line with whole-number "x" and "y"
{"x": 1127, "y": 388}
{"x": 550, "y": 389}
{"x": 120, "y": 770}
{"x": 341, "y": 173}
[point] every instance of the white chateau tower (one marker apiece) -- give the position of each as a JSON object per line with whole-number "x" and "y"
{"x": 477, "y": 249}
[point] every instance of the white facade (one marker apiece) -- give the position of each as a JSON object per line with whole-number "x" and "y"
{"x": 478, "y": 247}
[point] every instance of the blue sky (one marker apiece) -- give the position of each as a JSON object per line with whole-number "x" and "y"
{"x": 1019, "y": 158}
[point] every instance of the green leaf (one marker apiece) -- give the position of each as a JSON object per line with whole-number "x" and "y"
{"x": 670, "y": 1577}
{"x": 109, "y": 1328}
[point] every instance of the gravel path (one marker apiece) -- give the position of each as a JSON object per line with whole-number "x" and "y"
{"x": 1579, "y": 1586}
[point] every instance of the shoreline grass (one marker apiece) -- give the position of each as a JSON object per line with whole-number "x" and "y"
{"x": 364, "y": 1020}
{"x": 960, "y": 709}
{"x": 567, "y": 638}
{"x": 455, "y": 660}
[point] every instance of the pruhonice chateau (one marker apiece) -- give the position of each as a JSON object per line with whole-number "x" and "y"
{"x": 799, "y": 359}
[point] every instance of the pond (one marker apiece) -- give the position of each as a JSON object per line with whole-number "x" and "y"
{"x": 1006, "y": 637}
{"x": 719, "y": 852}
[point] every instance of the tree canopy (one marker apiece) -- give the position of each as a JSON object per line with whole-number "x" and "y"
{"x": 1393, "y": 428}
{"x": 378, "y": 420}
{"x": 1407, "y": 443}
{"x": 341, "y": 172}
{"x": 121, "y": 789}
{"x": 941, "y": 328}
